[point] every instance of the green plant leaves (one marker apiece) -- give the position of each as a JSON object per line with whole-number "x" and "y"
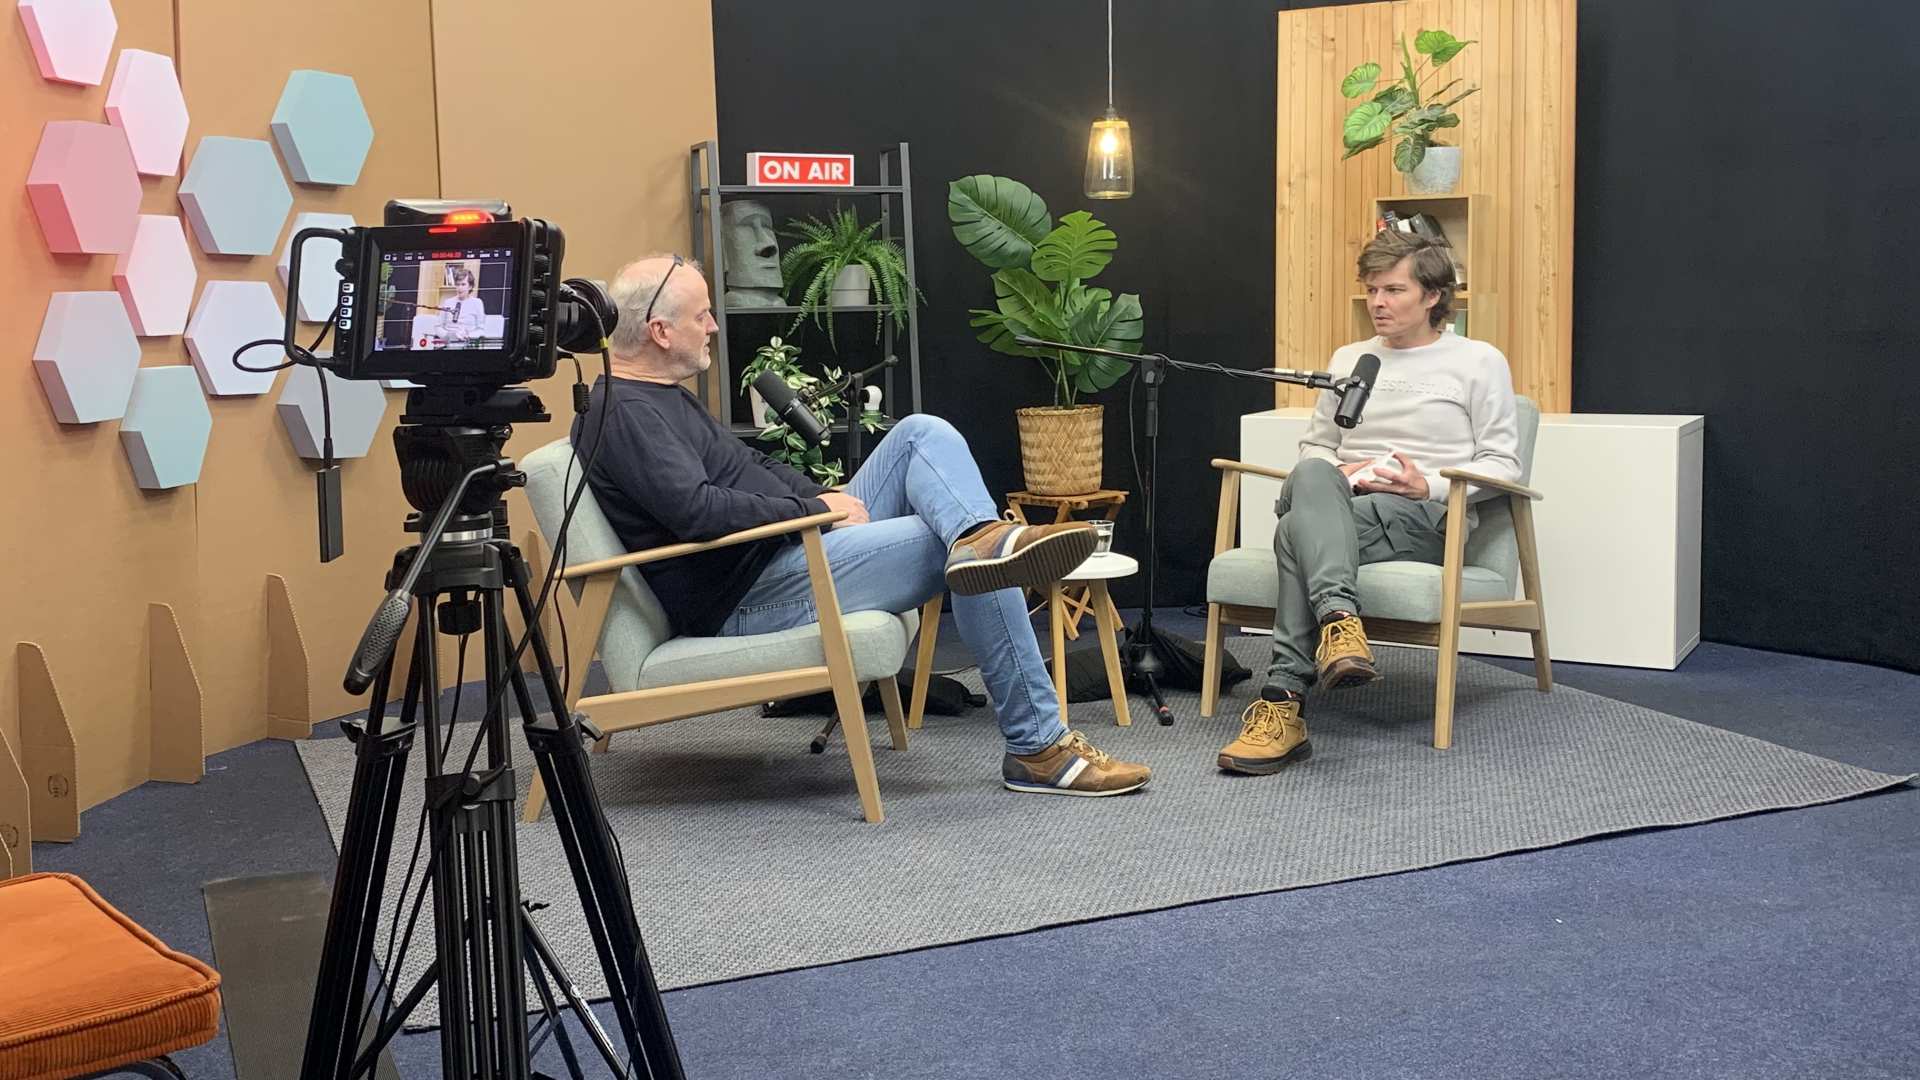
{"x": 998, "y": 220}
{"x": 1365, "y": 124}
{"x": 1360, "y": 80}
{"x": 1439, "y": 45}
{"x": 1080, "y": 247}
{"x": 1409, "y": 152}
{"x": 1396, "y": 99}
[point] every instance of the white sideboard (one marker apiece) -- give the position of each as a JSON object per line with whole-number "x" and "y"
{"x": 1619, "y": 531}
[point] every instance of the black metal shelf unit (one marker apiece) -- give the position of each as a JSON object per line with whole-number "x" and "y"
{"x": 705, "y": 194}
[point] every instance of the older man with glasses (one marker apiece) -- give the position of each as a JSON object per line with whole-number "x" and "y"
{"x": 919, "y": 519}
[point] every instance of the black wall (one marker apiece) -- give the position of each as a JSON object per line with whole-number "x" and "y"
{"x": 1743, "y": 175}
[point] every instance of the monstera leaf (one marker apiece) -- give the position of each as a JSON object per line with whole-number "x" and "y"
{"x": 1079, "y": 248}
{"x": 999, "y": 221}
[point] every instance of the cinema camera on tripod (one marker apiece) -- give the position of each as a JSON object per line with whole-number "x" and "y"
{"x": 466, "y": 302}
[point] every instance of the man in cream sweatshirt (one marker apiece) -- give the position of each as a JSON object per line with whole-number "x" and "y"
{"x": 1374, "y": 493}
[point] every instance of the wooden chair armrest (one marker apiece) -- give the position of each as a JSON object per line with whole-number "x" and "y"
{"x": 674, "y": 551}
{"x": 1229, "y": 465}
{"x": 1488, "y": 481}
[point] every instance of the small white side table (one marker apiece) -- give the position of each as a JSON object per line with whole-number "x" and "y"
{"x": 1094, "y": 574}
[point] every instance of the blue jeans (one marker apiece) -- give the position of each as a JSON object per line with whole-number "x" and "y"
{"x": 923, "y": 492}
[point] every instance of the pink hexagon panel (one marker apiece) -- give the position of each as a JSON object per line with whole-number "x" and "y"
{"x": 322, "y": 128}
{"x": 231, "y": 314}
{"x": 358, "y": 407}
{"x": 71, "y": 38}
{"x": 235, "y": 196}
{"x": 145, "y": 102}
{"x": 319, "y": 281}
{"x": 87, "y": 356}
{"x": 165, "y": 432}
{"x": 156, "y": 276}
{"x": 84, "y": 189}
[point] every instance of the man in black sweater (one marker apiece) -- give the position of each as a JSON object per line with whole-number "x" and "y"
{"x": 919, "y": 520}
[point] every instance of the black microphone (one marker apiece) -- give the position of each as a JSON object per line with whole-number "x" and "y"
{"x": 786, "y": 404}
{"x": 1353, "y": 396}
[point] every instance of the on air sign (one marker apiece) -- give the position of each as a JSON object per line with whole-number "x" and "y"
{"x": 800, "y": 170}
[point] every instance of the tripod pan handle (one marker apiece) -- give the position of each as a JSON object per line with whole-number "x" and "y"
{"x": 376, "y": 644}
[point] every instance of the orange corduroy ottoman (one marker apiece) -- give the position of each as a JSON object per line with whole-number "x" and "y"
{"x": 83, "y": 988}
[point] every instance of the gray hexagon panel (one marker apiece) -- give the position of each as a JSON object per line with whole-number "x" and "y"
{"x": 235, "y": 196}
{"x": 166, "y": 429}
{"x": 87, "y": 356}
{"x": 358, "y": 405}
{"x": 322, "y": 128}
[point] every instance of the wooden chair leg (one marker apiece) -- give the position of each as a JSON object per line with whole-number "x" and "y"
{"x": 1108, "y": 629}
{"x": 1447, "y": 659}
{"x": 1210, "y": 669}
{"x": 1530, "y": 585}
{"x": 923, "y": 660}
{"x": 536, "y": 799}
{"x": 846, "y": 692}
{"x": 1057, "y": 618}
{"x": 896, "y": 716}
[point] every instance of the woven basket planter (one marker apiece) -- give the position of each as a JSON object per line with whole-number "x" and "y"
{"x": 1060, "y": 449}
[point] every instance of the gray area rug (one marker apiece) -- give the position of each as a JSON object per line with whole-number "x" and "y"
{"x": 748, "y": 855}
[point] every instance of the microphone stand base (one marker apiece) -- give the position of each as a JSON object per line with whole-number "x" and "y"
{"x": 1145, "y": 655}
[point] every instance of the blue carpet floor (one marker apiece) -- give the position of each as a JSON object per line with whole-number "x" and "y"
{"x": 1778, "y": 945}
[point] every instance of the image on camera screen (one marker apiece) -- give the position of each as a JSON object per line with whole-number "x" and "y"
{"x": 439, "y": 300}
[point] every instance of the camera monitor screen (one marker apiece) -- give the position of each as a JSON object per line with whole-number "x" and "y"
{"x": 446, "y": 299}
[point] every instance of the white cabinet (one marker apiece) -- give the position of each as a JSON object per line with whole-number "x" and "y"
{"x": 1619, "y": 531}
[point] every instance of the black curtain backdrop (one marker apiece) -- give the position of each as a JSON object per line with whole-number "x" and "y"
{"x": 1741, "y": 172}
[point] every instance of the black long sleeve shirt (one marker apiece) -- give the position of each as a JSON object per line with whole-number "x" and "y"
{"x": 669, "y": 473}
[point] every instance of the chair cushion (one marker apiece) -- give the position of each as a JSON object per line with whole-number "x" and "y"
{"x": 878, "y": 639}
{"x": 1408, "y": 591}
{"x": 83, "y": 988}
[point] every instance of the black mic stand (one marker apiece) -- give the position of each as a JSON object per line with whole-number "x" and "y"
{"x": 1144, "y": 656}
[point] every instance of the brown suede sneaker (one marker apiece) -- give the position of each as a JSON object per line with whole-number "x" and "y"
{"x": 1344, "y": 658}
{"x": 1007, "y": 555}
{"x": 1272, "y": 736}
{"x": 1072, "y": 767}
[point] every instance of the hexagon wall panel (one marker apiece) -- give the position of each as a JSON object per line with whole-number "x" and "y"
{"x": 319, "y": 281}
{"x": 87, "y": 356}
{"x": 84, "y": 188}
{"x": 71, "y": 38}
{"x": 322, "y": 128}
{"x": 145, "y": 102}
{"x": 359, "y": 406}
{"x": 235, "y": 197}
{"x": 165, "y": 432}
{"x": 230, "y": 314}
{"x": 156, "y": 276}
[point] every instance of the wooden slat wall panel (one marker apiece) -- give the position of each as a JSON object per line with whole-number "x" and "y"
{"x": 1517, "y": 137}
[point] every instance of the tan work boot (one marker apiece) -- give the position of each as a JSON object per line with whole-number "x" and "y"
{"x": 1272, "y": 736}
{"x": 1344, "y": 658}
{"x": 1072, "y": 767}
{"x": 1007, "y": 555}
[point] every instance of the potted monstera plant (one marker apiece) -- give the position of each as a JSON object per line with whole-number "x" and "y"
{"x": 1041, "y": 273}
{"x": 1412, "y": 110}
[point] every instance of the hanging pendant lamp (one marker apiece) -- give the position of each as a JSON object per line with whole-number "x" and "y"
{"x": 1110, "y": 143}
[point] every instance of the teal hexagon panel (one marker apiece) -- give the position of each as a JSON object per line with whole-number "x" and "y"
{"x": 87, "y": 356}
{"x": 358, "y": 407}
{"x": 235, "y": 196}
{"x": 165, "y": 432}
{"x": 322, "y": 128}
{"x": 230, "y": 315}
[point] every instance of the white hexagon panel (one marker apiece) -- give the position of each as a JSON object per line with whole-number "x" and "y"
{"x": 230, "y": 314}
{"x": 156, "y": 276}
{"x": 84, "y": 189}
{"x": 165, "y": 432}
{"x": 319, "y": 281}
{"x": 71, "y": 38}
{"x": 144, "y": 101}
{"x": 322, "y": 128}
{"x": 87, "y": 356}
{"x": 235, "y": 196}
{"x": 358, "y": 407}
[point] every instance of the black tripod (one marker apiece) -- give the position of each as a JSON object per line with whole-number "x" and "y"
{"x": 455, "y": 579}
{"x": 1148, "y": 652}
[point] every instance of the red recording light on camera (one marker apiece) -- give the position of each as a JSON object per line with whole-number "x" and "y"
{"x": 461, "y": 217}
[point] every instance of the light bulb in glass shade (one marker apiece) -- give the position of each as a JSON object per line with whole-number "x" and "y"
{"x": 1110, "y": 158}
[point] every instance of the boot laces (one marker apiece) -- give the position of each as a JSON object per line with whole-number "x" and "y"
{"x": 1263, "y": 721}
{"x": 1341, "y": 634}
